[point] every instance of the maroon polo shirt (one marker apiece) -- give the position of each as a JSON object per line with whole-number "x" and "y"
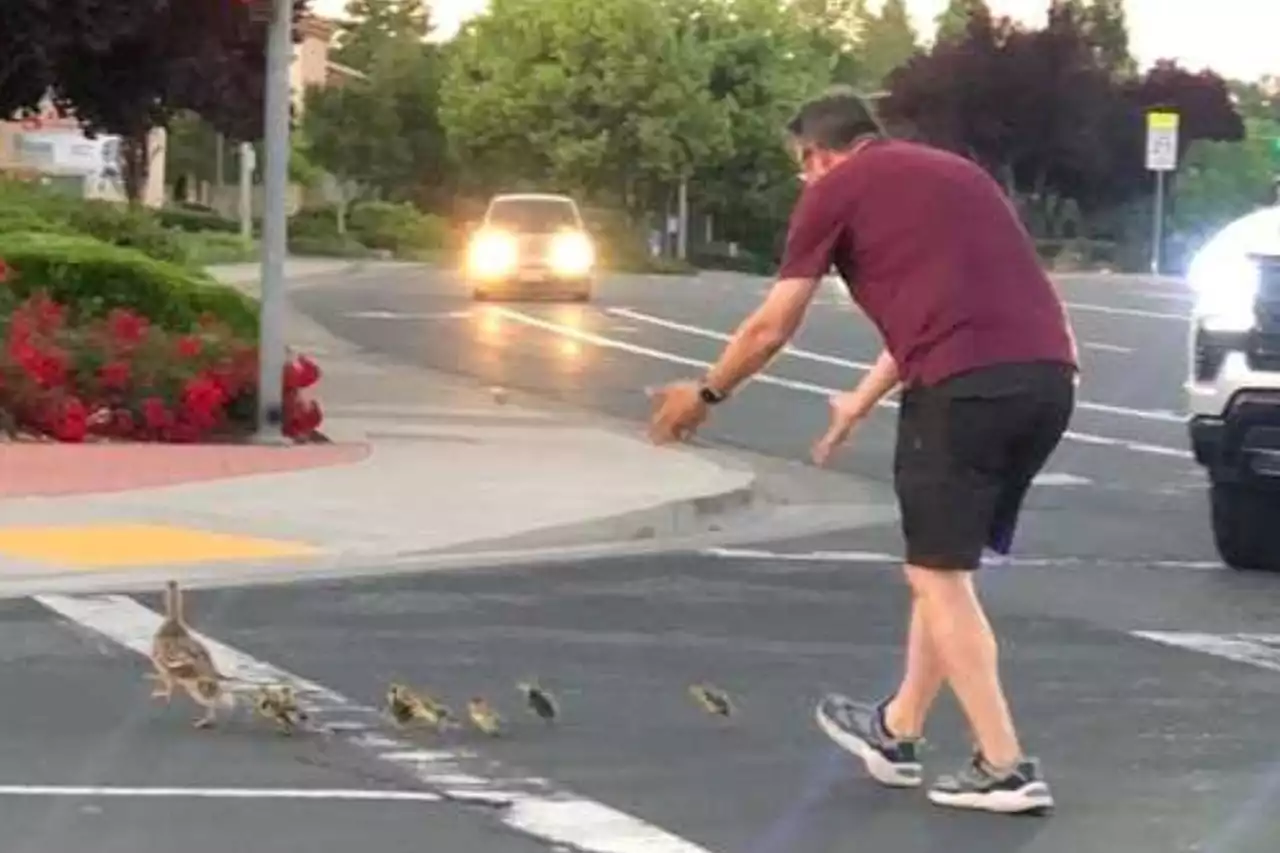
{"x": 935, "y": 255}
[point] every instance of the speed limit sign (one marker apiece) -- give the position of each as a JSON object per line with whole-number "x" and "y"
{"x": 1162, "y": 141}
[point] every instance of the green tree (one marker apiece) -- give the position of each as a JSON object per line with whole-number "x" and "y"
{"x": 409, "y": 76}
{"x": 833, "y": 28}
{"x": 887, "y": 40}
{"x": 1258, "y": 99}
{"x": 763, "y": 64}
{"x": 1219, "y": 181}
{"x": 386, "y": 40}
{"x": 353, "y": 133}
{"x": 1108, "y": 30}
{"x": 608, "y": 99}
{"x": 953, "y": 21}
{"x": 372, "y": 25}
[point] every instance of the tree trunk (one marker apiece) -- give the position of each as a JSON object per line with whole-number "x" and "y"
{"x": 135, "y": 156}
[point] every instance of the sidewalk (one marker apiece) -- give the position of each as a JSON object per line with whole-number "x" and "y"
{"x": 421, "y": 464}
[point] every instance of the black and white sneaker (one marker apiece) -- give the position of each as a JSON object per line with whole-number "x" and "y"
{"x": 861, "y": 730}
{"x": 981, "y": 786}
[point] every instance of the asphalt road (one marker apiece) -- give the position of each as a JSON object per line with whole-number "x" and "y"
{"x": 1117, "y": 627}
{"x": 1152, "y": 749}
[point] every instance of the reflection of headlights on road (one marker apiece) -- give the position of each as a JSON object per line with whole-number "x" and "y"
{"x": 1225, "y": 286}
{"x": 490, "y": 323}
{"x": 572, "y": 254}
{"x": 491, "y": 254}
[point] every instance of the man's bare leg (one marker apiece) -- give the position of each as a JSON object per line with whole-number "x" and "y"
{"x": 922, "y": 680}
{"x": 967, "y": 651}
{"x": 886, "y": 735}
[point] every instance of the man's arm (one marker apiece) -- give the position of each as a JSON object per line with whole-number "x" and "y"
{"x": 762, "y": 335}
{"x": 874, "y": 387}
{"x": 849, "y": 408}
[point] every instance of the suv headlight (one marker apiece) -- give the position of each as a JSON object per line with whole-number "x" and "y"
{"x": 1226, "y": 286}
{"x": 572, "y": 254}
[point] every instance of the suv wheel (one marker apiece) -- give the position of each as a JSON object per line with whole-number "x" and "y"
{"x": 1243, "y": 522}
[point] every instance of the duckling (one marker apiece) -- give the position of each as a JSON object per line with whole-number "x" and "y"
{"x": 484, "y": 717}
{"x": 540, "y": 700}
{"x": 183, "y": 661}
{"x": 278, "y": 704}
{"x": 406, "y": 706}
{"x": 712, "y": 699}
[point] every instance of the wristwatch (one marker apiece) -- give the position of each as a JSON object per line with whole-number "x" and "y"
{"x": 710, "y": 395}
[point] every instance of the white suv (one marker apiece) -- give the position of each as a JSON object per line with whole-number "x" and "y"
{"x": 1234, "y": 386}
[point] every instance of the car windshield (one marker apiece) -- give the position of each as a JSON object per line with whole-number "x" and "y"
{"x": 533, "y": 215}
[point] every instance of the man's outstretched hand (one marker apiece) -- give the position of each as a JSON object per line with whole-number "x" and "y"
{"x": 678, "y": 411}
{"x": 844, "y": 417}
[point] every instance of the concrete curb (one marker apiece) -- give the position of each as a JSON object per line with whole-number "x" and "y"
{"x": 480, "y": 557}
{"x": 658, "y": 526}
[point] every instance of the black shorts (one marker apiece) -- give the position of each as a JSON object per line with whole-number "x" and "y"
{"x": 967, "y": 451}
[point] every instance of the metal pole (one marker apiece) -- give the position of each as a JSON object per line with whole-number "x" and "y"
{"x": 246, "y": 190}
{"x": 271, "y": 346}
{"x": 1157, "y": 224}
{"x": 218, "y": 154}
{"x": 682, "y": 217}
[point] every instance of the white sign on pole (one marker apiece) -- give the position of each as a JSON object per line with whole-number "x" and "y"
{"x": 1162, "y": 141}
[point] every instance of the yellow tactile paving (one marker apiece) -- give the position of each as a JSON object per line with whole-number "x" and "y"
{"x": 116, "y": 545}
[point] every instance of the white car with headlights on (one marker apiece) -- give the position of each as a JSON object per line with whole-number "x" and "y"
{"x": 531, "y": 245}
{"x": 1234, "y": 386}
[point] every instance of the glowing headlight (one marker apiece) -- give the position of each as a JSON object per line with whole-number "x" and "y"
{"x": 491, "y": 254}
{"x": 1225, "y": 285}
{"x": 572, "y": 254}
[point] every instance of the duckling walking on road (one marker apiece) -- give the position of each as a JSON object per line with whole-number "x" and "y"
{"x": 484, "y": 717}
{"x": 540, "y": 701}
{"x": 713, "y": 700}
{"x": 407, "y": 707}
{"x": 278, "y": 704}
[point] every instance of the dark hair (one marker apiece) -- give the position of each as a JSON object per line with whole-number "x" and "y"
{"x": 834, "y": 121}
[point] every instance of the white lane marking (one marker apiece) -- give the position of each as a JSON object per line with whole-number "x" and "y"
{"x": 1060, "y": 478}
{"x": 1094, "y": 345}
{"x": 796, "y": 385}
{"x": 528, "y": 805}
{"x": 809, "y": 355}
{"x": 1127, "y": 312}
{"x": 93, "y": 791}
{"x": 987, "y": 560}
{"x": 712, "y": 334}
{"x": 1260, "y": 650}
{"x": 802, "y": 557}
{"x": 400, "y": 315}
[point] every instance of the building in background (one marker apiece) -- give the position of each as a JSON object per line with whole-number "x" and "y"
{"x": 53, "y": 149}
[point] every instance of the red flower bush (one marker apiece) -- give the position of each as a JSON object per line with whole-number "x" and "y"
{"x": 121, "y": 377}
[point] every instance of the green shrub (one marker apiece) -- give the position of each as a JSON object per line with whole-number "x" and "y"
{"x": 192, "y": 220}
{"x": 94, "y": 277}
{"x": 717, "y": 257}
{"x": 317, "y": 222}
{"x": 13, "y": 219}
{"x": 132, "y": 228}
{"x": 207, "y": 248}
{"x": 398, "y": 228}
{"x": 329, "y": 246}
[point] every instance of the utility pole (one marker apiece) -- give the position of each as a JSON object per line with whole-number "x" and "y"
{"x": 248, "y": 163}
{"x": 271, "y": 346}
{"x": 682, "y": 216}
